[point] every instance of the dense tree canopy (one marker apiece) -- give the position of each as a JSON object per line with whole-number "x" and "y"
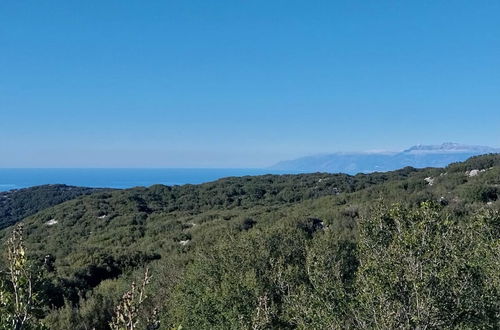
{"x": 405, "y": 249}
{"x": 16, "y": 205}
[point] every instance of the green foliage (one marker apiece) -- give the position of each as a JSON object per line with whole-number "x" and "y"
{"x": 419, "y": 268}
{"x": 482, "y": 162}
{"x": 323, "y": 300}
{"x": 18, "y": 204}
{"x": 410, "y": 268}
{"x": 224, "y": 287}
{"x": 482, "y": 193}
{"x": 310, "y": 251}
{"x": 93, "y": 312}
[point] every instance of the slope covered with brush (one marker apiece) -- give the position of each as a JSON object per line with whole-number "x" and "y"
{"x": 16, "y": 205}
{"x": 419, "y": 248}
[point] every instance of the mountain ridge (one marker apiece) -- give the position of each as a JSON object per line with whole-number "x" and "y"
{"x": 418, "y": 156}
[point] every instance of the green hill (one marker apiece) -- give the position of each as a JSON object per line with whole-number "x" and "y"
{"x": 16, "y": 205}
{"x": 419, "y": 248}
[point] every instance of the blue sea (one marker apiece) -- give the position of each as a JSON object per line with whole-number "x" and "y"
{"x": 116, "y": 178}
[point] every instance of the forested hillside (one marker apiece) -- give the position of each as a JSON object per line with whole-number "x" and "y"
{"x": 16, "y": 205}
{"x": 404, "y": 249}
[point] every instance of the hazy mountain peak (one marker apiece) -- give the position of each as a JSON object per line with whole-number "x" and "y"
{"x": 418, "y": 156}
{"x": 449, "y": 147}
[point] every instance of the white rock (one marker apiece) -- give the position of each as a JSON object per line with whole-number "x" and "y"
{"x": 429, "y": 180}
{"x": 472, "y": 173}
{"x": 51, "y": 222}
{"x": 184, "y": 242}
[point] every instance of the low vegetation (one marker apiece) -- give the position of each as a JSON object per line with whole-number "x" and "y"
{"x": 16, "y": 205}
{"x": 405, "y": 249}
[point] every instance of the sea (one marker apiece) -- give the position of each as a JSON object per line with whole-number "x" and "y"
{"x": 120, "y": 178}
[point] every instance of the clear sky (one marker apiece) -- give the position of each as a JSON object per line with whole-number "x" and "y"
{"x": 198, "y": 83}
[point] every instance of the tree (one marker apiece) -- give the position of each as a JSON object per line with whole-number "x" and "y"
{"x": 422, "y": 269}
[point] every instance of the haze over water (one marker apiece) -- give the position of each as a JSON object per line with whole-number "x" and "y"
{"x": 116, "y": 178}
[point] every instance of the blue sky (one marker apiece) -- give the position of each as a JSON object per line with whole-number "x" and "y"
{"x": 241, "y": 83}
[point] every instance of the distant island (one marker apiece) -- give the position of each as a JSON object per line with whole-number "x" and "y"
{"x": 419, "y": 156}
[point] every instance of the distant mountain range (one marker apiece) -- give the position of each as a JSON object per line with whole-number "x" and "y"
{"x": 417, "y": 156}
